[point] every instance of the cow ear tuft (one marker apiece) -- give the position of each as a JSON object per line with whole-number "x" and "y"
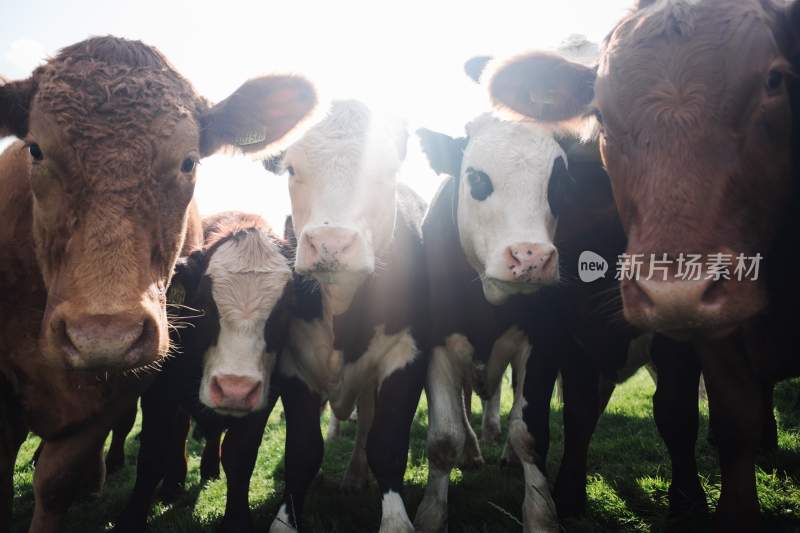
{"x": 261, "y": 113}
{"x": 186, "y": 278}
{"x": 274, "y": 164}
{"x": 474, "y": 67}
{"x": 444, "y": 153}
{"x": 15, "y": 103}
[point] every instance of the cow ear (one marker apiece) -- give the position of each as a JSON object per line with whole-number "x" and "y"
{"x": 261, "y": 113}
{"x": 288, "y": 231}
{"x": 444, "y": 153}
{"x": 15, "y": 103}
{"x": 561, "y": 188}
{"x": 186, "y": 278}
{"x": 274, "y": 164}
{"x": 474, "y": 67}
{"x": 543, "y": 86}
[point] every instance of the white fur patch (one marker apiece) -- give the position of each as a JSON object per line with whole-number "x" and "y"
{"x": 518, "y": 157}
{"x": 394, "y": 518}
{"x": 248, "y": 275}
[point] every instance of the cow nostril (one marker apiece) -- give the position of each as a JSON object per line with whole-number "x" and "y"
{"x": 714, "y": 292}
{"x": 511, "y": 258}
{"x": 216, "y": 393}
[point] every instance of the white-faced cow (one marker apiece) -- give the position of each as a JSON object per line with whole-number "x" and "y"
{"x": 233, "y": 300}
{"x": 359, "y": 234}
{"x": 519, "y": 186}
{"x": 96, "y": 208}
{"x": 697, "y": 110}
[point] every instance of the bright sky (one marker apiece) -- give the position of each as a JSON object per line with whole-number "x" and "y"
{"x": 401, "y": 57}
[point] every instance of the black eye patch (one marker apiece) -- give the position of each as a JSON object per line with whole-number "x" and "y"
{"x": 480, "y": 185}
{"x": 561, "y": 187}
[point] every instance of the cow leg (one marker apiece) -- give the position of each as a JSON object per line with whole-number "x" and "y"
{"x": 13, "y": 432}
{"x": 160, "y": 412}
{"x": 676, "y": 415}
{"x": 468, "y": 398}
{"x": 491, "y": 432}
{"x": 736, "y": 406}
{"x": 67, "y": 467}
{"x": 357, "y": 475}
{"x": 115, "y": 457}
{"x": 334, "y": 427}
{"x": 582, "y": 408}
{"x": 529, "y": 436}
{"x": 239, "y": 454}
{"x": 388, "y": 439}
{"x": 209, "y": 461}
{"x": 446, "y": 435}
{"x": 177, "y": 464}
{"x": 472, "y": 459}
{"x": 303, "y": 453}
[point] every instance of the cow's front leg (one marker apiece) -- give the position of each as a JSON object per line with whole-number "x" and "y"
{"x": 676, "y": 414}
{"x": 529, "y": 436}
{"x": 387, "y": 442}
{"x": 303, "y": 453}
{"x": 239, "y": 454}
{"x": 736, "y": 407}
{"x": 357, "y": 475}
{"x": 67, "y": 467}
{"x": 209, "y": 461}
{"x": 491, "y": 432}
{"x": 446, "y": 435}
{"x": 172, "y": 487}
{"x": 115, "y": 457}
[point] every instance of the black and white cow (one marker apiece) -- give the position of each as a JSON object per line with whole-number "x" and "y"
{"x": 233, "y": 301}
{"x": 358, "y": 234}
{"x": 503, "y": 238}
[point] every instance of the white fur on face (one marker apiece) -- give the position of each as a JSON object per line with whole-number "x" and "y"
{"x": 518, "y": 158}
{"x": 345, "y": 176}
{"x": 248, "y": 276}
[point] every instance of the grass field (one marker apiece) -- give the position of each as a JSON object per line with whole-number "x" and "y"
{"x": 629, "y": 473}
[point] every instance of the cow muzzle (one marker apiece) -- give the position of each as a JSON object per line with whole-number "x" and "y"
{"x": 521, "y": 268}
{"x": 325, "y": 251}
{"x": 95, "y": 341}
{"x": 686, "y": 309}
{"x": 235, "y": 395}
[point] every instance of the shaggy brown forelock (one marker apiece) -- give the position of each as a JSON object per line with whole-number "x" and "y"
{"x": 101, "y": 99}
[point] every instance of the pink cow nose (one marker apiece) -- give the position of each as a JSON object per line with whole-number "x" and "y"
{"x": 238, "y": 393}
{"x": 531, "y": 262}
{"x": 327, "y": 247}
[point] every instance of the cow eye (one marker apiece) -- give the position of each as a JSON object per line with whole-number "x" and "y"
{"x": 290, "y": 170}
{"x": 480, "y": 185}
{"x": 188, "y": 164}
{"x": 774, "y": 81}
{"x": 599, "y": 117}
{"x": 36, "y": 152}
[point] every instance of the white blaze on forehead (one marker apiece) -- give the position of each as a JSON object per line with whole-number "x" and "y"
{"x": 518, "y": 157}
{"x": 248, "y": 275}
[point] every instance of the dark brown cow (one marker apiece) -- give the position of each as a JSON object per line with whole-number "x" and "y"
{"x": 96, "y": 207}
{"x": 697, "y": 104}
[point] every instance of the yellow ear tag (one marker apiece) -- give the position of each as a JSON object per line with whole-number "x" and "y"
{"x": 176, "y": 294}
{"x": 254, "y": 137}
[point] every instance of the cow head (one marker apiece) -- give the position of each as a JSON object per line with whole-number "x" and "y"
{"x": 512, "y": 181}
{"x": 342, "y": 183}
{"x": 233, "y": 296}
{"x": 694, "y": 115}
{"x": 114, "y": 135}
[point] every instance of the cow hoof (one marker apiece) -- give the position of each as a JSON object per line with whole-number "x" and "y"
{"x": 509, "y": 458}
{"x": 687, "y": 503}
{"x": 208, "y": 474}
{"x": 171, "y": 493}
{"x": 431, "y": 517}
{"x": 279, "y": 526}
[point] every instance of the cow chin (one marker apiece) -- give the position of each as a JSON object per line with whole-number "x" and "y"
{"x": 497, "y": 292}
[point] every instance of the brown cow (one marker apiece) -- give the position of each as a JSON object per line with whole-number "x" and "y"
{"x": 96, "y": 207}
{"x": 697, "y": 104}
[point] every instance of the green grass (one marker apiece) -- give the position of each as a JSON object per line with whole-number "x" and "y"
{"x": 628, "y": 480}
